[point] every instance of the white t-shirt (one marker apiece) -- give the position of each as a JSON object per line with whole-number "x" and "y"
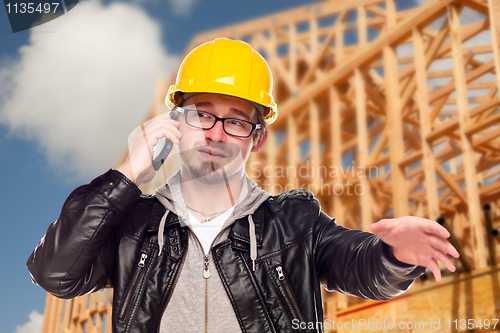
{"x": 206, "y": 232}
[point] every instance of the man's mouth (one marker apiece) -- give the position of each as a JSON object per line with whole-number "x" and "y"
{"x": 212, "y": 153}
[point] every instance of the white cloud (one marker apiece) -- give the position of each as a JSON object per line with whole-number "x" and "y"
{"x": 182, "y": 7}
{"x": 83, "y": 83}
{"x": 34, "y": 325}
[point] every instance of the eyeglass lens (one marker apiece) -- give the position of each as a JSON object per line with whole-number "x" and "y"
{"x": 205, "y": 120}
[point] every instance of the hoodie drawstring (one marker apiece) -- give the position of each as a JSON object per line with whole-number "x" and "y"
{"x": 253, "y": 240}
{"x": 160, "y": 231}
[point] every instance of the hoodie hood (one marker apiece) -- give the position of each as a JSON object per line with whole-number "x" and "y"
{"x": 249, "y": 200}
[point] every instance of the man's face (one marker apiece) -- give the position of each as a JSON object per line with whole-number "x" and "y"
{"x": 206, "y": 154}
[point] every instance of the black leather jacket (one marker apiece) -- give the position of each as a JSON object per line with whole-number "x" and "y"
{"x": 107, "y": 227}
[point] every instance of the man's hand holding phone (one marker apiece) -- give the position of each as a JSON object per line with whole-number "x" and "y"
{"x": 139, "y": 164}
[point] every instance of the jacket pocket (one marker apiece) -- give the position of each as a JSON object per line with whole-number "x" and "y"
{"x": 132, "y": 286}
{"x": 286, "y": 292}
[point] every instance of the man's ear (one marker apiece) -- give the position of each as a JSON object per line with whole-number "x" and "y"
{"x": 258, "y": 145}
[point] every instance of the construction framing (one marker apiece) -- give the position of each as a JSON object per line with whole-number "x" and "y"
{"x": 383, "y": 112}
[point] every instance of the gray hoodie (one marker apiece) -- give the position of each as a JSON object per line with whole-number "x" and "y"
{"x": 199, "y": 304}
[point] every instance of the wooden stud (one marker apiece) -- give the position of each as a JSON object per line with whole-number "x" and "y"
{"x": 394, "y": 124}
{"x": 315, "y": 146}
{"x": 425, "y": 125}
{"x": 292, "y": 52}
{"x": 270, "y": 146}
{"x": 293, "y": 152}
{"x": 466, "y": 141}
{"x": 362, "y": 126}
{"x": 494, "y": 13}
{"x": 336, "y": 156}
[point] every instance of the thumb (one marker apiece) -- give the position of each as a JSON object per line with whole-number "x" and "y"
{"x": 378, "y": 227}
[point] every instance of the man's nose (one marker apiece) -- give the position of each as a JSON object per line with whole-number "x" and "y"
{"x": 216, "y": 133}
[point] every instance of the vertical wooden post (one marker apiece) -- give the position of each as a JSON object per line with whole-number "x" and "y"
{"x": 453, "y": 166}
{"x": 336, "y": 159}
{"x": 59, "y": 315}
{"x": 271, "y": 161}
{"x": 339, "y": 40}
{"x": 109, "y": 311}
{"x": 68, "y": 310}
{"x": 54, "y": 317}
{"x": 425, "y": 125}
{"x": 293, "y": 152}
{"x": 362, "y": 129}
{"x": 477, "y": 228}
{"x": 292, "y": 53}
{"x": 390, "y": 10}
{"x": 494, "y": 9}
{"x": 395, "y": 121}
{"x": 315, "y": 143}
{"x": 313, "y": 26}
{"x": 489, "y": 232}
{"x": 361, "y": 21}
{"x": 47, "y": 314}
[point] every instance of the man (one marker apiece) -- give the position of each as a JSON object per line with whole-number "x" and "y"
{"x": 211, "y": 251}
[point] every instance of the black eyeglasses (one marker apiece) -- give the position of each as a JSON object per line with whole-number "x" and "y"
{"x": 206, "y": 120}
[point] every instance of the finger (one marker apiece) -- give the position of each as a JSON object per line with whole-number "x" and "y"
{"x": 170, "y": 136}
{"x": 432, "y": 227}
{"x": 443, "y": 258}
{"x": 170, "y": 123}
{"x": 434, "y": 267}
{"x": 441, "y": 244}
{"x": 380, "y": 227}
{"x": 453, "y": 251}
{"x": 171, "y": 133}
{"x": 172, "y": 129}
{"x": 146, "y": 140}
{"x": 163, "y": 125}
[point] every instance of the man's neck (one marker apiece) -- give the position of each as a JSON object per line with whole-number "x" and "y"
{"x": 211, "y": 198}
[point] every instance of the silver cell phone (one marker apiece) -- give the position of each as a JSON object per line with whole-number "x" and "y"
{"x": 161, "y": 152}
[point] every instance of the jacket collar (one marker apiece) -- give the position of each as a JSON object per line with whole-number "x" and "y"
{"x": 157, "y": 213}
{"x": 239, "y": 231}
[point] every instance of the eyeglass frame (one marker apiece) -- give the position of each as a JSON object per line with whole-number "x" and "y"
{"x": 185, "y": 112}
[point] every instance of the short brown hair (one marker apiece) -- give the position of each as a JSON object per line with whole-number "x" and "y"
{"x": 259, "y": 133}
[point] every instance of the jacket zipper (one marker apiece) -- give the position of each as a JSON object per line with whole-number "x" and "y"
{"x": 282, "y": 279}
{"x": 206, "y": 305}
{"x": 206, "y": 268}
{"x": 206, "y": 275}
{"x": 131, "y": 289}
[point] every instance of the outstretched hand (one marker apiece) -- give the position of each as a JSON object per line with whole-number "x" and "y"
{"x": 417, "y": 241}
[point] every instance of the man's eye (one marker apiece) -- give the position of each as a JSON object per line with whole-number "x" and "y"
{"x": 203, "y": 114}
{"x": 236, "y": 122}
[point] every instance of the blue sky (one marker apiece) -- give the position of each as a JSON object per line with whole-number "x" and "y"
{"x": 55, "y": 80}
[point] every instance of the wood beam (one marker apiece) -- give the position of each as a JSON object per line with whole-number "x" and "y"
{"x": 494, "y": 12}
{"x": 315, "y": 143}
{"x": 421, "y": 16}
{"x": 466, "y": 140}
{"x": 293, "y": 150}
{"x": 394, "y": 122}
{"x": 362, "y": 131}
{"x": 425, "y": 125}
{"x": 336, "y": 32}
{"x": 336, "y": 143}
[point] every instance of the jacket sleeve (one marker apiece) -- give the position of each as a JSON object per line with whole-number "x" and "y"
{"x": 76, "y": 255}
{"x": 358, "y": 263}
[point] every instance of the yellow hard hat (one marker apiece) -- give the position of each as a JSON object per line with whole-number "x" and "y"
{"x": 229, "y": 67}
